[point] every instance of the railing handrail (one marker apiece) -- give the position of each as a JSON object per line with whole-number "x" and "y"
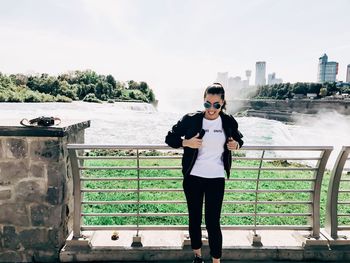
{"x": 161, "y": 146}
{"x": 314, "y": 203}
{"x": 331, "y": 222}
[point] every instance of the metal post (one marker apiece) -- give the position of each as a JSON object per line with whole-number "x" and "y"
{"x": 138, "y": 192}
{"x": 76, "y": 193}
{"x": 321, "y": 166}
{"x": 255, "y": 238}
{"x": 331, "y": 224}
{"x": 256, "y": 191}
{"x": 137, "y": 240}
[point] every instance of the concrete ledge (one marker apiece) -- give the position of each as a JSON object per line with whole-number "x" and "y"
{"x": 168, "y": 246}
{"x": 9, "y": 128}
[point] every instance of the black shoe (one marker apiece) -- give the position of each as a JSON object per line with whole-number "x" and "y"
{"x": 198, "y": 259}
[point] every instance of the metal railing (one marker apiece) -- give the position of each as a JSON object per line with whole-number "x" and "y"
{"x": 339, "y": 178}
{"x": 253, "y": 179}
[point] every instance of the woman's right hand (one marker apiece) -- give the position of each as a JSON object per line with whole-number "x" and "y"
{"x": 194, "y": 142}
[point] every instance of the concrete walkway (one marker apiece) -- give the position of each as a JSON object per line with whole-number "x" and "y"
{"x": 172, "y": 246}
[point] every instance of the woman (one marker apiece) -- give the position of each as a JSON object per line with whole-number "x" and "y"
{"x": 207, "y": 137}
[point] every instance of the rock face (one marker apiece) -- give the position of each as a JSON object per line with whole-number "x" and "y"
{"x": 283, "y": 110}
{"x": 35, "y": 191}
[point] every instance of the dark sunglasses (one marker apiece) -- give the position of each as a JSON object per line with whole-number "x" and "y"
{"x": 216, "y": 105}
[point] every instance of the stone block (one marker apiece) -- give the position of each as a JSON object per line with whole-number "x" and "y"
{"x": 48, "y": 150}
{"x": 35, "y": 239}
{"x": 54, "y": 195}
{"x": 56, "y": 174}
{"x": 16, "y": 148}
{"x": 11, "y": 172}
{"x": 57, "y": 238}
{"x": 5, "y": 193}
{"x": 45, "y": 215}
{"x": 30, "y": 191}
{"x": 37, "y": 170}
{"x": 45, "y": 256}
{"x": 10, "y": 256}
{"x": 10, "y": 237}
{"x": 14, "y": 214}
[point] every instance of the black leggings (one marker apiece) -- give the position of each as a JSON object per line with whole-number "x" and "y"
{"x": 195, "y": 189}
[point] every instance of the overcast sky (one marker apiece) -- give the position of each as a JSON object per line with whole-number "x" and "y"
{"x": 174, "y": 44}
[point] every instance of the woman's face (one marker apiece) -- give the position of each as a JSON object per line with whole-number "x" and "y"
{"x": 214, "y": 101}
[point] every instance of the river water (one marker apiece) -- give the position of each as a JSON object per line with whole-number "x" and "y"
{"x": 141, "y": 123}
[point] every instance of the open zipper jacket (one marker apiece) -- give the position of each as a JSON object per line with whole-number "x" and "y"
{"x": 189, "y": 126}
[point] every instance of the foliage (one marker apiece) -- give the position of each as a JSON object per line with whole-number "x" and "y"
{"x": 91, "y": 98}
{"x": 287, "y": 90}
{"x": 73, "y": 85}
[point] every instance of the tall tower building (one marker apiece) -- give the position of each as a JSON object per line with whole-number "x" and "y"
{"x": 260, "y": 73}
{"x": 248, "y": 74}
{"x": 348, "y": 74}
{"x": 327, "y": 71}
{"x": 222, "y": 78}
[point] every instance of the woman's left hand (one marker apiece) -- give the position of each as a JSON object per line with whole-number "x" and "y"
{"x": 232, "y": 144}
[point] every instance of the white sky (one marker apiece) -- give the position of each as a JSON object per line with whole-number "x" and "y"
{"x": 178, "y": 44}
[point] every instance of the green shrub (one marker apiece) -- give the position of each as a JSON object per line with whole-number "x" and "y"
{"x": 91, "y": 98}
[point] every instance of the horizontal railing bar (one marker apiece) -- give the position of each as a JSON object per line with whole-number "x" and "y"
{"x": 184, "y": 202}
{"x": 343, "y": 203}
{"x": 164, "y": 146}
{"x": 273, "y": 168}
{"x": 131, "y": 202}
{"x": 186, "y": 214}
{"x": 179, "y": 168}
{"x": 344, "y": 191}
{"x": 340, "y": 228}
{"x": 180, "y": 190}
{"x": 181, "y": 178}
{"x": 277, "y": 158}
{"x": 344, "y": 180}
{"x": 130, "y": 178}
{"x": 344, "y": 214}
{"x": 130, "y": 168}
{"x": 107, "y": 157}
{"x": 185, "y": 228}
{"x": 127, "y": 157}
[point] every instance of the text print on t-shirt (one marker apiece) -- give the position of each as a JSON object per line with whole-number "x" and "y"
{"x": 207, "y": 130}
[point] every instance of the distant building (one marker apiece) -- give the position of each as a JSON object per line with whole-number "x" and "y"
{"x": 248, "y": 74}
{"x": 271, "y": 79}
{"x": 260, "y": 73}
{"x": 222, "y": 78}
{"x": 348, "y": 74}
{"x": 234, "y": 83}
{"x": 327, "y": 71}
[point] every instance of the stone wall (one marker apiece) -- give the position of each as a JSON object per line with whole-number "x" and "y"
{"x": 36, "y": 193}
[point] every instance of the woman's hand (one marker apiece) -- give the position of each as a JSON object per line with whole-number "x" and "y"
{"x": 194, "y": 142}
{"x": 232, "y": 144}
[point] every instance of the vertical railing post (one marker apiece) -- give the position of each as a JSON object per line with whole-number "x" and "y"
{"x": 256, "y": 191}
{"x": 316, "y": 196}
{"x": 138, "y": 192}
{"x": 255, "y": 238}
{"x": 76, "y": 193}
{"x": 331, "y": 224}
{"x": 137, "y": 240}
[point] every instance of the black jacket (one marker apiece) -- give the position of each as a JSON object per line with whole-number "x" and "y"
{"x": 189, "y": 126}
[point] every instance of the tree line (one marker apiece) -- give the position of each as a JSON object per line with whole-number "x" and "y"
{"x": 287, "y": 90}
{"x": 75, "y": 85}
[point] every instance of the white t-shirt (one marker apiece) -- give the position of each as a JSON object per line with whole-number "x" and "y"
{"x": 209, "y": 163}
